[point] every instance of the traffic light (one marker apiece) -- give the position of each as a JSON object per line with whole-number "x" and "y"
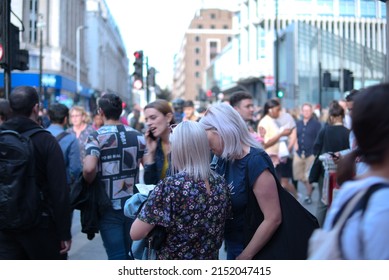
{"x": 280, "y": 93}
{"x": 326, "y": 79}
{"x": 19, "y": 58}
{"x": 3, "y": 32}
{"x": 20, "y": 61}
{"x": 151, "y": 77}
{"x": 348, "y": 80}
{"x": 138, "y": 70}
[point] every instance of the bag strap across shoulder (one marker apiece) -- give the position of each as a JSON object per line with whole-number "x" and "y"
{"x": 60, "y": 136}
{"x": 358, "y": 202}
{"x": 33, "y": 131}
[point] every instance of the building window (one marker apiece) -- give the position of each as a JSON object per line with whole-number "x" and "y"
{"x": 347, "y": 8}
{"x": 213, "y": 16}
{"x": 197, "y": 38}
{"x": 383, "y": 10}
{"x": 197, "y": 74}
{"x": 212, "y": 26}
{"x": 229, "y": 38}
{"x": 303, "y": 7}
{"x": 197, "y": 50}
{"x": 261, "y": 43}
{"x": 33, "y": 61}
{"x": 33, "y": 20}
{"x": 225, "y": 26}
{"x": 213, "y": 47}
{"x": 197, "y": 62}
{"x": 368, "y": 8}
{"x": 200, "y": 26}
{"x": 325, "y": 7}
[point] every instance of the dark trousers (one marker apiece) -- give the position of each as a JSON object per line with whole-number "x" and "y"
{"x": 39, "y": 243}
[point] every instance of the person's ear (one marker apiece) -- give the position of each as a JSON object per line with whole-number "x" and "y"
{"x": 36, "y": 109}
{"x": 169, "y": 117}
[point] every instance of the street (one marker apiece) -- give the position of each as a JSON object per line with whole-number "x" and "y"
{"x": 84, "y": 249}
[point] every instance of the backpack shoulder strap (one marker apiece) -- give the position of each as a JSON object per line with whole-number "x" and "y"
{"x": 361, "y": 203}
{"x": 33, "y": 131}
{"x": 60, "y": 136}
{"x": 365, "y": 200}
{"x": 357, "y": 202}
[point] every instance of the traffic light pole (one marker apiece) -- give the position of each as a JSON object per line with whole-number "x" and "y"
{"x": 147, "y": 81}
{"x": 320, "y": 86}
{"x": 7, "y": 43}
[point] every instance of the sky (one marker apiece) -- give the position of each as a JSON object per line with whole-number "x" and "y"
{"x": 157, "y": 27}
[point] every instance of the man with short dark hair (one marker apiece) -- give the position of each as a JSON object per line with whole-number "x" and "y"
{"x": 59, "y": 116}
{"x": 51, "y": 238}
{"x": 189, "y": 111}
{"x": 114, "y": 152}
{"x": 242, "y": 102}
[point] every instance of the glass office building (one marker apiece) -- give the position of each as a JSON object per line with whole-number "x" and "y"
{"x": 315, "y": 36}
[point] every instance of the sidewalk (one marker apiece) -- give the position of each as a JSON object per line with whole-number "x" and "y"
{"x": 84, "y": 249}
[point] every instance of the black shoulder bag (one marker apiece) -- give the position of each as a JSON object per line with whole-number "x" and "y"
{"x": 290, "y": 241}
{"x": 317, "y": 166}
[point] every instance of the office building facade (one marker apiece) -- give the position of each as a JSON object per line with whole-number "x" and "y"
{"x": 208, "y": 33}
{"x": 314, "y": 36}
{"x": 53, "y": 31}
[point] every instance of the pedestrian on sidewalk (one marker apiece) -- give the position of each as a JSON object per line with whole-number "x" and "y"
{"x": 192, "y": 203}
{"x": 307, "y": 130}
{"x": 244, "y": 165}
{"x": 113, "y": 154}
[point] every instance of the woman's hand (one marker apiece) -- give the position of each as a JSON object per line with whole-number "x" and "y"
{"x": 151, "y": 141}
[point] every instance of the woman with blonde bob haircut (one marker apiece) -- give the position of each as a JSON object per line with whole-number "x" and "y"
{"x": 190, "y": 154}
{"x": 192, "y": 204}
{"x": 244, "y": 165}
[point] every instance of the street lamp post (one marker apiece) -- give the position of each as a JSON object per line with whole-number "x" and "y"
{"x": 41, "y": 24}
{"x": 277, "y": 51}
{"x": 78, "y": 31}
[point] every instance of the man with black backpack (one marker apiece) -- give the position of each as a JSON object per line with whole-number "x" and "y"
{"x": 35, "y": 216}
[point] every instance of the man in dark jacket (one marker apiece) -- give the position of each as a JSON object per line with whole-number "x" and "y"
{"x": 51, "y": 238}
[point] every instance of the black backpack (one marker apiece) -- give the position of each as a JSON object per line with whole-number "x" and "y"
{"x": 20, "y": 197}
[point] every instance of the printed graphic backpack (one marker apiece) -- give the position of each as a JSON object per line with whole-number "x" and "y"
{"x": 20, "y": 197}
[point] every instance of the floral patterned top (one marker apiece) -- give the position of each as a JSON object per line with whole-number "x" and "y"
{"x": 194, "y": 219}
{"x": 82, "y": 139}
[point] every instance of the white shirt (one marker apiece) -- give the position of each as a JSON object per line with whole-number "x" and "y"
{"x": 367, "y": 238}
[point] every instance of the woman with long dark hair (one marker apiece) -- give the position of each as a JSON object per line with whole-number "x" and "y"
{"x": 333, "y": 137}
{"x": 365, "y": 235}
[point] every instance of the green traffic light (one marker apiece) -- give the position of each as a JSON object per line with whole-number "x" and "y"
{"x": 280, "y": 94}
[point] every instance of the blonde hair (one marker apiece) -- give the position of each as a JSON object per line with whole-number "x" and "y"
{"x": 227, "y": 122}
{"x": 81, "y": 110}
{"x": 190, "y": 150}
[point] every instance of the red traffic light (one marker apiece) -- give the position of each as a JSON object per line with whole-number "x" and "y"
{"x": 138, "y": 54}
{"x": 1, "y": 51}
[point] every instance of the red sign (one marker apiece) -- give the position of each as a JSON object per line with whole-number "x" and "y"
{"x": 269, "y": 81}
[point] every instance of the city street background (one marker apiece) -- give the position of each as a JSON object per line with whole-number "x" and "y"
{"x": 84, "y": 249}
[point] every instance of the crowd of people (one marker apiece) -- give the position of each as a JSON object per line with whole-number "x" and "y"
{"x": 204, "y": 164}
